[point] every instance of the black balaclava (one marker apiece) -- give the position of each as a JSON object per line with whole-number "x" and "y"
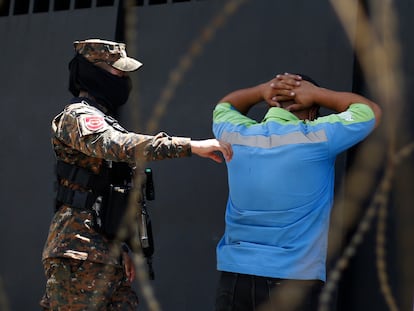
{"x": 108, "y": 90}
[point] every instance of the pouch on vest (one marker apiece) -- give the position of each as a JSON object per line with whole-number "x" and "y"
{"x": 114, "y": 209}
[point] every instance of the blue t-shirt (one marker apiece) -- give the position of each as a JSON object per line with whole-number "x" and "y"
{"x": 281, "y": 188}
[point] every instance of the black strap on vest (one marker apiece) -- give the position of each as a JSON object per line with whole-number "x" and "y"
{"x": 74, "y": 174}
{"x": 81, "y": 176}
{"x": 93, "y": 185}
{"x": 75, "y": 198}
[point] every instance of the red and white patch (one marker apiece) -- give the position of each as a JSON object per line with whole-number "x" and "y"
{"x": 94, "y": 123}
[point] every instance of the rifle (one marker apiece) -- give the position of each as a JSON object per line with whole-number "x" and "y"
{"x": 145, "y": 227}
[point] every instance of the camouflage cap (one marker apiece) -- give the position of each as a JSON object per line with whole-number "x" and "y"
{"x": 112, "y": 53}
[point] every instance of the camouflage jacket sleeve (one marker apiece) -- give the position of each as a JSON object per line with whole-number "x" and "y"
{"x": 88, "y": 130}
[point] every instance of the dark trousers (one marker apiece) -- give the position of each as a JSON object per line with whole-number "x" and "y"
{"x": 242, "y": 292}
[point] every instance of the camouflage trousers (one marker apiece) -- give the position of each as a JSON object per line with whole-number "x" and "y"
{"x": 84, "y": 285}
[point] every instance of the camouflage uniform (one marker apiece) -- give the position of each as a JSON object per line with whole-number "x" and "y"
{"x": 86, "y": 285}
{"x": 75, "y": 253}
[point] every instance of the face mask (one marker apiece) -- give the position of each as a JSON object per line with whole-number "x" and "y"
{"x": 108, "y": 90}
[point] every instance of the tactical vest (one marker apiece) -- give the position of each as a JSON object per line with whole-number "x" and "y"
{"x": 105, "y": 194}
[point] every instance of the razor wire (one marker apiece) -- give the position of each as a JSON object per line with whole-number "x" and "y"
{"x": 379, "y": 205}
{"x": 377, "y": 208}
{"x": 176, "y": 77}
{"x": 374, "y": 51}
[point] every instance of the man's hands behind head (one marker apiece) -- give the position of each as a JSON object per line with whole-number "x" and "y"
{"x": 289, "y": 91}
{"x": 280, "y": 89}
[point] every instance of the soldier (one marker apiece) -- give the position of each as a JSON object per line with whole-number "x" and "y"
{"x": 95, "y": 156}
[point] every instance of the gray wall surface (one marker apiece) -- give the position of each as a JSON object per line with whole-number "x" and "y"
{"x": 260, "y": 39}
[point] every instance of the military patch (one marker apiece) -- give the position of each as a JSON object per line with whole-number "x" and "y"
{"x": 94, "y": 123}
{"x": 90, "y": 124}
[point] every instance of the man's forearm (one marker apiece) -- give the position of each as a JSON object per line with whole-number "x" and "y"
{"x": 340, "y": 101}
{"x": 244, "y": 99}
{"x": 337, "y": 101}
